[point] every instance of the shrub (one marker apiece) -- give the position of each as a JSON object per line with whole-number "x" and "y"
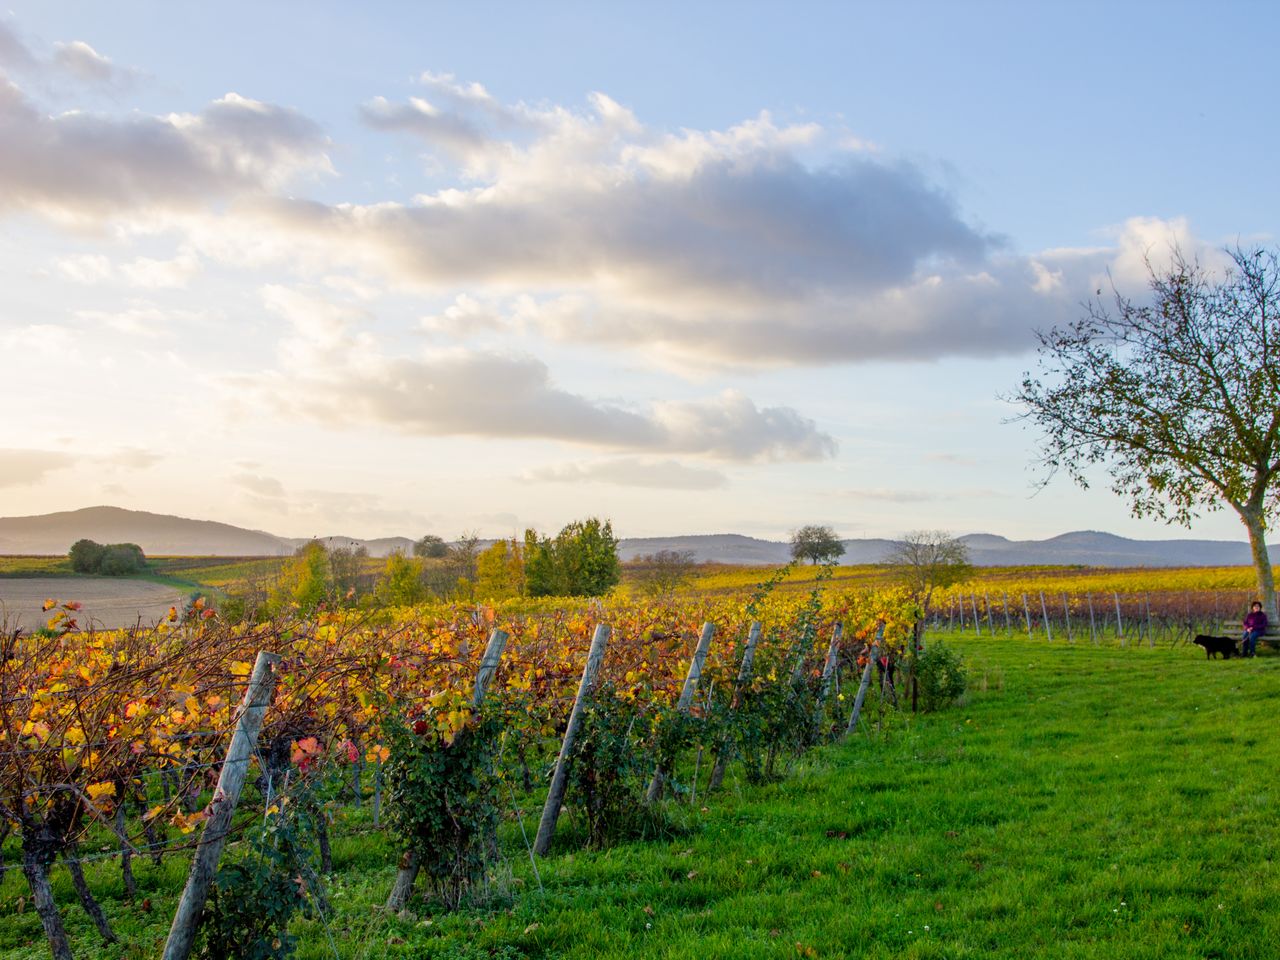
{"x": 86, "y": 556}
{"x": 440, "y": 793}
{"x": 111, "y": 560}
{"x": 940, "y": 677}
{"x": 257, "y": 892}
{"x": 122, "y": 559}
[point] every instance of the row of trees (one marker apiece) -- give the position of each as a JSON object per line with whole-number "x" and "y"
{"x": 581, "y": 560}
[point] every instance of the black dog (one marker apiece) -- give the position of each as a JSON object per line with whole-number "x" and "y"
{"x": 1214, "y": 645}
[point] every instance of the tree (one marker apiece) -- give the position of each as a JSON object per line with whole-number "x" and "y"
{"x": 928, "y": 560}
{"x": 581, "y": 561}
{"x": 1178, "y": 397}
{"x": 431, "y": 547}
{"x": 816, "y": 544}
{"x": 461, "y": 555}
{"x": 401, "y": 582}
{"x": 86, "y": 556}
{"x": 122, "y": 559}
{"x": 303, "y": 582}
{"x": 346, "y": 564}
{"x": 661, "y": 574}
{"x": 500, "y": 570}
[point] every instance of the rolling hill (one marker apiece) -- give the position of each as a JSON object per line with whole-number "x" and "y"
{"x": 160, "y": 534}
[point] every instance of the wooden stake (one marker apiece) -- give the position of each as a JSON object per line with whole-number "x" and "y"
{"x": 1044, "y": 612}
{"x": 213, "y": 837}
{"x": 866, "y": 680}
{"x": 828, "y": 676}
{"x": 744, "y": 677}
{"x": 560, "y": 779}
{"x": 662, "y": 770}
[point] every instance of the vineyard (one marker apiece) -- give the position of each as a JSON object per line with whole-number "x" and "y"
{"x": 228, "y": 762}
{"x": 141, "y": 744}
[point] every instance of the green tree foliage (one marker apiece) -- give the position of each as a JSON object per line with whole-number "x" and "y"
{"x": 581, "y": 561}
{"x": 500, "y": 571}
{"x": 431, "y": 547}
{"x": 110, "y": 560}
{"x": 303, "y": 582}
{"x": 942, "y": 677}
{"x": 401, "y": 581}
{"x": 122, "y": 559}
{"x": 86, "y": 556}
{"x": 816, "y": 544}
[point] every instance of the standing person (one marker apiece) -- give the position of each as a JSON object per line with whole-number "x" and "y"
{"x": 1255, "y": 625}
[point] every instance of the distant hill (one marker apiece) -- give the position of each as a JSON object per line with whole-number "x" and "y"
{"x": 1085, "y": 547}
{"x": 53, "y": 533}
{"x": 716, "y": 548}
{"x": 157, "y": 534}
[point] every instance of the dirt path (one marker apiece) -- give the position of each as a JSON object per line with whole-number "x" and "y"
{"x": 107, "y": 603}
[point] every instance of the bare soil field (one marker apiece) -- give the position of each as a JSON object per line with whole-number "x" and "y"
{"x": 107, "y": 603}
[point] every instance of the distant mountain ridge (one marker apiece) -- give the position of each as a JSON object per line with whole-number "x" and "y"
{"x": 158, "y": 534}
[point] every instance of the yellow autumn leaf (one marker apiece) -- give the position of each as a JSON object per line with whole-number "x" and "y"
{"x": 97, "y": 791}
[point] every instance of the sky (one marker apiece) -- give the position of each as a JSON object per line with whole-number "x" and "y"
{"x": 397, "y": 268}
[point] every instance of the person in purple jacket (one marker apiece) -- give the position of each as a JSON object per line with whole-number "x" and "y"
{"x": 1255, "y": 625}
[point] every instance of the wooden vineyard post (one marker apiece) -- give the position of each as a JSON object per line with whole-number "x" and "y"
{"x": 987, "y": 600}
{"x": 1026, "y": 612}
{"x": 1044, "y": 612}
{"x": 951, "y": 614}
{"x": 560, "y": 778}
{"x": 1151, "y": 637}
{"x": 744, "y": 677}
{"x": 488, "y": 666}
{"x": 410, "y": 865}
{"x": 1066, "y": 610}
{"x": 1119, "y": 623}
{"x": 961, "y": 613}
{"x": 1093, "y": 630}
{"x": 1008, "y": 627}
{"x": 866, "y": 680}
{"x": 977, "y": 622}
{"x": 828, "y": 676}
{"x": 660, "y": 772}
{"x": 213, "y": 836}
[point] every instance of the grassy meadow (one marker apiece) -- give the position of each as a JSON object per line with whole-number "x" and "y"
{"x": 1083, "y": 802}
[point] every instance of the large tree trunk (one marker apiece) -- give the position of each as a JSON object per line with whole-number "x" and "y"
{"x": 1252, "y": 517}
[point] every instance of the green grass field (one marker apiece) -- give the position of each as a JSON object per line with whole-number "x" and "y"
{"x": 1084, "y": 802}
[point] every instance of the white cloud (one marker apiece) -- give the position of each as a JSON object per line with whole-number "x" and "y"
{"x": 86, "y": 64}
{"x": 154, "y": 274}
{"x": 14, "y": 53}
{"x": 133, "y": 458}
{"x": 338, "y": 375}
{"x": 261, "y": 486}
{"x": 19, "y": 468}
{"x": 632, "y": 472}
{"x": 84, "y": 267}
{"x": 465, "y": 316}
{"x": 83, "y": 167}
{"x": 143, "y": 318}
